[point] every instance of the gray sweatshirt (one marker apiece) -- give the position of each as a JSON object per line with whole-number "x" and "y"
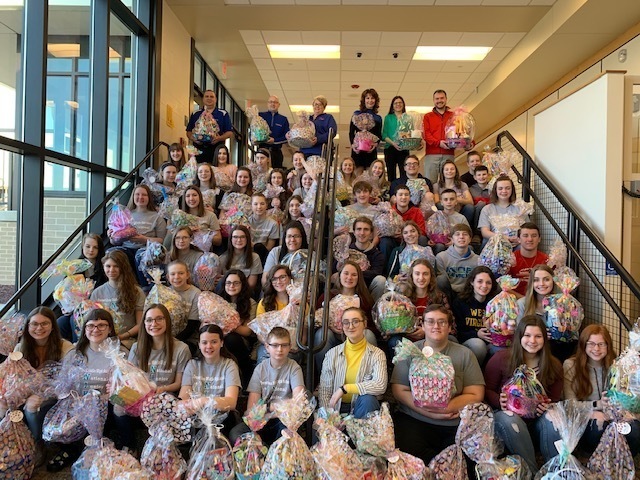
{"x": 455, "y": 266}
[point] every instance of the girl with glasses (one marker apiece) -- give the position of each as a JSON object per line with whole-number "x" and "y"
{"x": 293, "y": 239}
{"x": 240, "y": 256}
{"x": 182, "y": 249}
{"x": 191, "y": 202}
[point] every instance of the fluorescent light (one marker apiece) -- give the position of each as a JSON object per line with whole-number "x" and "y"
{"x": 451, "y": 53}
{"x": 64, "y": 50}
{"x": 418, "y": 109}
{"x": 309, "y": 108}
{"x": 304, "y": 51}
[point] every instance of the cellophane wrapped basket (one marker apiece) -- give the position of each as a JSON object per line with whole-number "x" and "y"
{"x": 431, "y": 374}
{"x": 460, "y": 129}
{"x": 364, "y": 141}
{"x": 237, "y": 200}
{"x": 524, "y": 392}
{"x": 286, "y": 318}
{"x": 17, "y": 459}
{"x": 211, "y": 454}
{"x": 624, "y": 375}
{"x": 231, "y": 218}
{"x": 410, "y": 143}
{"x": 81, "y": 311}
{"x": 314, "y": 165}
{"x": 74, "y": 288}
{"x": 374, "y": 434}
{"x": 388, "y": 221}
{"x": 414, "y": 252}
{"x": 223, "y": 181}
{"x": 11, "y": 329}
{"x": 289, "y": 457}
{"x": 214, "y": 309}
{"x": 564, "y": 313}
{"x": 249, "y": 452}
{"x": 438, "y": 228}
{"x": 206, "y": 128}
{"x": 257, "y": 125}
{"x": 337, "y": 306}
{"x": 497, "y": 255}
{"x": 344, "y": 217}
{"x": 302, "y": 132}
{"x": 171, "y": 299}
{"x": 557, "y": 254}
{"x": 502, "y": 312}
{"x": 205, "y": 271}
{"x": 18, "y": 380}
{"x": 160, "y": 454}
{"x": 109, "y": 462}
{"x": 570, "y": 419}
{"x": 403, "y": 466}
{"x": 394, "y": 313}
{"x": 120, "y": 224}
{"x": 417, "y": 188}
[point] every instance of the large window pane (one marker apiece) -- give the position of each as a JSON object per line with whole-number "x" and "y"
{"x": 120, "y": 111}
{"x": 11, "y": 60}
{"x": 8, "y": 227}
{"x": 197, "y": 71}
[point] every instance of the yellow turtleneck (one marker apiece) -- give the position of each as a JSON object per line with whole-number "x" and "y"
{"x": 353, "y": 352}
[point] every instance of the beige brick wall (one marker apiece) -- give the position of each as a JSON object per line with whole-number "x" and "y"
{"x": 61, "y": 217}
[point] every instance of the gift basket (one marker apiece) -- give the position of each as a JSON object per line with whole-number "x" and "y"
{"x": 499, "y": 163}
{"x": 344, "y": 191}
{"x": 205, "y": 271}
{"x": 164, "y": 408}
{"x": 302, "y": 133}
{"x": 286, "y": 318}
{"x": 168, "y": 205}
{"x": 206, "y": 128}
{"x": 417, "y": 188}
{"x": 564, "y": 313}
{"x": 149, "y": 257}
{"x": 624, "y": 375}
{"x": 334, "y": 458}
{"x": 431, "y": 374}
{"x": 289, "y": 457}
{"x": 111, "y": 463}
{"x": 232, "y": 218}
{"x": 394, "y": 313}
{"x": 388, "y": 221}
{"x": 297, "y": 263}
{"x": 18, "y": 380}
{"x": 402, "y": 466}
{"x": 502, "y": 311}
{"x": 259, "y": 179}
{"x": 409, "y": 133}
{"x": 129, "y": 386}
{"x": 81, "y": 311}
{"x": 186, "y": 176}
{"x": 342, "y": 253}
{"x": 364, "y": 141}
{"x": 438, "y": 228}
{"x": 211, "y": 454}
{"x": 309, "y": 203}
{"x": 120, "y": 224}
{"x": 272, "y": 191}
{"x": 427, "y": 206}
{"x": 460, "y": 129}
{"x": 506, "y": 224}
{"x": 180, "y": 218}
{"x": 344, "y": 217}
{"x": 414, "y": 252}
{"x": 557, "y": 254}
{"x": 10, "y": 332}
{"x": 276, "y": 214}
{"x": 214, "y": 309}
{"x": 570, "y": 419}
{"x": 524, "y": 392}
{"x": 449, "y": 464}
{"x": 160, "y": 454}
{"x": 17, "y": 459}
{"x": 497, "y": 255}
{"x": 203, "y": 239}
{"x": 249, "y": 452}
{"x": 72, "y": 284}
{"x": 257, "y": 125}
{"x": 314, "y": 165}
{"x": 337, "y": 306}
{"x": 223, "y": 181}
{"x": 372, "y": 435}
{"x": 171, "y": 299}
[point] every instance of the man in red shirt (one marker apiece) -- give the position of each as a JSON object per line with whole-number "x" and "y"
{"x": 408, "y": 211}
{"x": 436, "y": 149}
{"x": 528, "y": 256}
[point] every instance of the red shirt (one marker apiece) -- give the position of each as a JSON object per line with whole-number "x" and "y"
{"x": 434, "y": 123}
{"x": 522, "y": 268}
{"x": 413, "y": 213}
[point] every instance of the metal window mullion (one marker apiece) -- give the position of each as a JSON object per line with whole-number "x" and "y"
{"x": 143, "y": 126}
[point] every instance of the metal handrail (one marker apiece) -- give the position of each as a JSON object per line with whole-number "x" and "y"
{"x": 35, "y": 275}
{"x": 525, "y": 180}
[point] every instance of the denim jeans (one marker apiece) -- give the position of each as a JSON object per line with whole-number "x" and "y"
{"x": 34, "y": 420}
{"x": 479, "y": 348}
{"x": 591, "y": 436}
{"x": 363, "y": 405}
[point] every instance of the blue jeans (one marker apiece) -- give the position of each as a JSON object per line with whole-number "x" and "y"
{"x": 363, "y": 405}
{"x": 592, "y": 435}
{"x": 479, "y": 348}
{"x": 34, "y": 420}
{"x": 386, "y": 246}
{"x": 518, "y": 436}
{"x": 334, "y": 340}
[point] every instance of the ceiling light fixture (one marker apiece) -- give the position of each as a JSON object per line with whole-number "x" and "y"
{"x": 451, "y": 53}
{"x": 304, "y": 51}
{"x": 309, "y": 108}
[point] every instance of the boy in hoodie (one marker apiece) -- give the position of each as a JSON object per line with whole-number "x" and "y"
{"x": 456, "y": 262}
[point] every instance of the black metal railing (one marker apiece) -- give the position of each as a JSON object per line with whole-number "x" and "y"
{"x": 63, "y": 249}
{"x": 608, "y": 292}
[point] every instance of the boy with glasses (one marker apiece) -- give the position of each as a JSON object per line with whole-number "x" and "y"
{"x": 413, "y": 179}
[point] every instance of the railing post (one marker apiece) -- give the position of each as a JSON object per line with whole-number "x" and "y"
{"x": 526, "y": 178}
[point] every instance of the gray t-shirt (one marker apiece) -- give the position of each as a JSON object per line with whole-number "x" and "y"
{"x": 190, "y": 258}
{"x": 190, "y": 297}
{"x": 275, "y": 383}
{"x": 108, "y": 296}
{"x": 263, "y": 229}
{"x": 209, "y": 221}
{"x": 211, "y": 380}
{"x": 493, "y": 210}
{"x": 256, "y": 265}
{"x": 97, "y": 373}
{"x": 157, "y": 360}
{"x": 467, "y": 371}
{"x": 149, "y": 224}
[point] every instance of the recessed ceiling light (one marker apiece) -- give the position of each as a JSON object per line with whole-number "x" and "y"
{"x": 451, "y": 53}
{"x": 304, "y": 51}
{"x": 309, "y": 108}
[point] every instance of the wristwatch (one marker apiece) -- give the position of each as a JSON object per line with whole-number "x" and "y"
{"x": 344, "y": 390}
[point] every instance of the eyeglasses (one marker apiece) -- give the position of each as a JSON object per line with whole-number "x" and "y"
{"x": 150, "y": 321}
{"x": 230, "y": 283}
{"x": 277, "y": 346}
{"x": 101, "y": 327}
{"x": 281, "y": 278}
{"x": 183, "y": 238}
{"x": 238, "y": 237}
{"x": 352, "y": 323}
{"x": 37, "y": 325}
{"x": 599, "y": 345}
{"x": 293, "y": 237}
{"x": 431, "y": 322}
{"x": 411, "y": 164}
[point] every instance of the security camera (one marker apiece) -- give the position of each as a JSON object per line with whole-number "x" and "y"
{"x": 395, "y": 54}
{"x": 359, "y": 54}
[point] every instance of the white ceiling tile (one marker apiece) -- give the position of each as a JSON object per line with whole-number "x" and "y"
{"x": 450, "y": 88}
{"x": 426, "y": 66}
{"x": 361, "y": 38}
{"x": 268, "y": 74}
{"x": 387, "y": 77}
{"x": 420, "y": 77}
{"x": 321, "y": 85}
{"x": 391, "y": 65}
{"x": 236, "y": 2}
{"x": 290, "y": 64}
{"x": 293, "y": 75}
{"x": 332, "y": 95}
{"x": 358, "y": 65}
{"x": 404, "y": 53}
{"x": 252, "y": 37}
{"x": 459, "y": 67}
{"x": 466, "y": 89}
{"x": 276, "y": 37}
{"x": 348, "y": 52}
{"x": 384, "y": 86}
{"x": 321, "y": 38}
{"x": 272, "y": 85}
{"x": 355, "y": 77}
{"x": 477, "y": 77}
{"x": 258, "y": 51}
{"x": 487, "y": 66}
{"x": 413, "y": 87}
{"x": 364, "y": 2}
{"x": 497, "y": 54}
{"x": 479, "y": 39}
{"x": 286, "y": 86}
{"x": 510, "y": 40}
{"x": 412, "y": 2}
{"x": 323, "y": 76}
{"x": 272, "y": 2}
{"x": 515, "y": 3}
{"x": 318, "y": 2}
{"x": 458, "y": 2}
{"x": 440, "y": 38}
{"x": 300, "y": 98}
{"x": 452, "y": 77}
{"x": 323, "y": 65}
{"x": 263, "y": 63}
{"x": 401, "y": 39}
